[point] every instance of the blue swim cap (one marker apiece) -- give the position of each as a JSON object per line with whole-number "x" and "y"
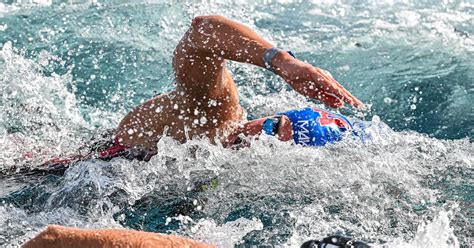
{"x": 316, "y": 127}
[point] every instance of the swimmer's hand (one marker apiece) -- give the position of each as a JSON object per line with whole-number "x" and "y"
{"x": 314, "y": 82}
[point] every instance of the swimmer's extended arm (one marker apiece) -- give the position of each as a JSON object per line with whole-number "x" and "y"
{"x": 67, "y": 237}
{"x": 214, "y": 38}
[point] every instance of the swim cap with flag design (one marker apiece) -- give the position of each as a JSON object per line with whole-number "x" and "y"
{"x": 316, "y": 127}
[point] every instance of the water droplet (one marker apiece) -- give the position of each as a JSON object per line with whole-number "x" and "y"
{"x": 388, "y": 100}
{"x": 376, "y": 118}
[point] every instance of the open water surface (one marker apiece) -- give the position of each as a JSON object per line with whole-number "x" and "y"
{"x": 69, "y": 69}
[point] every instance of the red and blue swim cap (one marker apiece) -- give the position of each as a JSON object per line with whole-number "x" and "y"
{"x": 316, "y": 127}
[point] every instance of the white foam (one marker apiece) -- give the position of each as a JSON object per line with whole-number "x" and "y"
{"x": 435, "y": 233}
{"x": 40, "y": 109}
{"x": 228, "y": 234}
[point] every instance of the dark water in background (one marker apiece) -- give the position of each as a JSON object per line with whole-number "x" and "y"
{"x": 70, "y": 68}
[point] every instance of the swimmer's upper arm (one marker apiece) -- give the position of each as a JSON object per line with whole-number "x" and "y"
{"x": 200, "y": 55}
{"x": 222, "y": 37}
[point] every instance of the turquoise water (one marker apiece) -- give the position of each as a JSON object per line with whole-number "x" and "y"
{"x": 69, "y": 69}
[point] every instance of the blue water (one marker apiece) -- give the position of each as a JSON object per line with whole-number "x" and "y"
{"x": 69, "y": 69}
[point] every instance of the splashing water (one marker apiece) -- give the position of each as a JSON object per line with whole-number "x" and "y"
{"x": 69, "y": 69}
{"x": 37, "y": 111}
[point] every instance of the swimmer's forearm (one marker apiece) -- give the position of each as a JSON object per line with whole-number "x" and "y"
{"x": 254, "y": 128}
{"x": 221, "y": 37}
{"x": 58, "y": 236}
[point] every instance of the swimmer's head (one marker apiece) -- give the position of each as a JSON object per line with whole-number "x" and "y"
{"x": 311, "y": 126}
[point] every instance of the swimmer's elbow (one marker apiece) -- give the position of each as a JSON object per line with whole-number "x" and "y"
{"x": 202, "y": 29}
{"x": 209, "y": 19}
{"x": 206, "y": 32}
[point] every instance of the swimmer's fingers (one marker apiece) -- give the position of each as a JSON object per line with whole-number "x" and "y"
{"x": 328, "y": 99}
{"x": 317, "y": 83}
{"x": 355, "y": 102}
{"x": 332, "y": 101}
{"x": 329, "y": 85}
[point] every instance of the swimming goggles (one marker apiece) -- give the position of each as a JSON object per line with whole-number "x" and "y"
{"x": 271, "y": 125}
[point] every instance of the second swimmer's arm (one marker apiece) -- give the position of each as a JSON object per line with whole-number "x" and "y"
{"x": 62, "y": 237}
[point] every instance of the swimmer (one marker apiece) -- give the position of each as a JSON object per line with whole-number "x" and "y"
{"x": 206, "y": 102}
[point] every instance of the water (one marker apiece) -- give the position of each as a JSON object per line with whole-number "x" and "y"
{"x": 69, "y": 69}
